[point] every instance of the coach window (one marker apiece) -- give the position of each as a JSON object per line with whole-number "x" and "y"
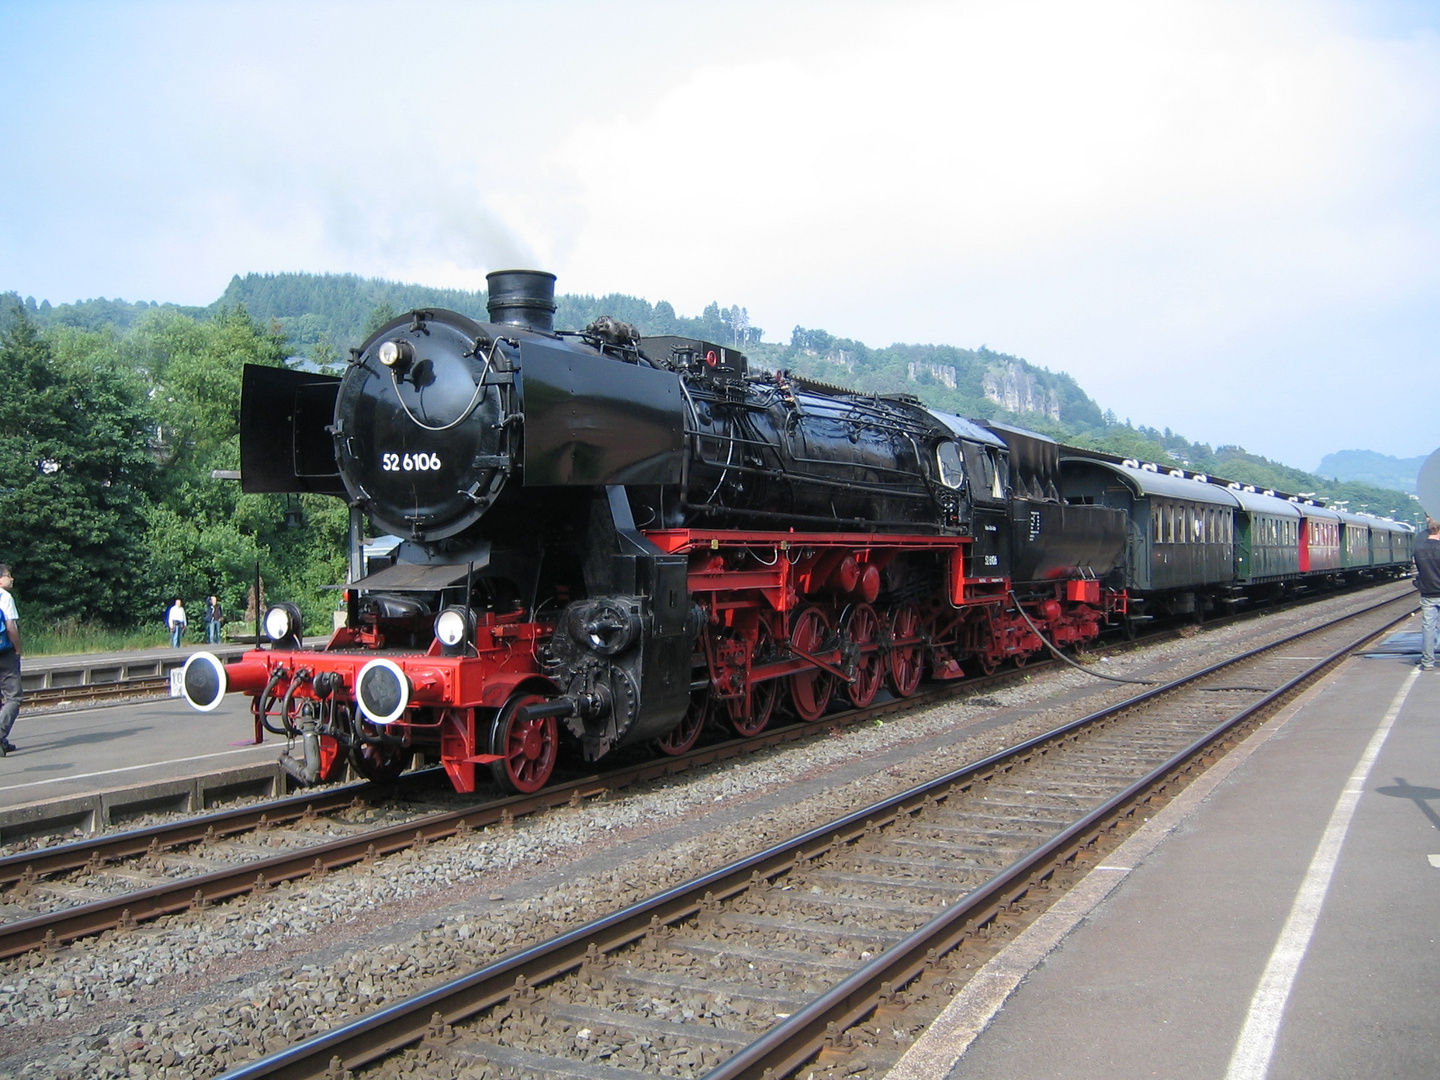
{"x": 947, "y": 459}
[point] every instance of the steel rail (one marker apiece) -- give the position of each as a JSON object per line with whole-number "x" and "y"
{"x": 793, "y": 1041}
{"x": 217, "y": 824}
{"x": 123, "y": 911}
{"x": 120, "y": 911}
{"x": 88, "y": 693}
{"x": 68, "y": 924}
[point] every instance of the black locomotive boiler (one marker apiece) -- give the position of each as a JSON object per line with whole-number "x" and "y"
{"x": 605, "y": 539}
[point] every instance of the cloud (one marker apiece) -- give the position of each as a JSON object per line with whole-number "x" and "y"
{"x": 1130, "y": 192}
{"x": 1170, "y": 200}
{"x": 958, "y": 137}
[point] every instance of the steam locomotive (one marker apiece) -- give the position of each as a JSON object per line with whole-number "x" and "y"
{"x": 605, "y": 540}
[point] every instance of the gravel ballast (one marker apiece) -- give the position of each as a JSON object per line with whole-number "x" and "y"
{"x": 194, "y": 994}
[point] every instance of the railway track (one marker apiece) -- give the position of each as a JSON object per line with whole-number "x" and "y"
{"x": 84, "y": 696}
{"x": 60, "y": 894}
{"x": 831, "y": 949}
{"x": 118, "y": 880}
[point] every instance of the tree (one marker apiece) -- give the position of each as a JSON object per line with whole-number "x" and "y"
{"x": 74, "y": 473}
{"x": 379, "y": 315}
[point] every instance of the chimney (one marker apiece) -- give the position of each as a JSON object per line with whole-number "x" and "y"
{"x": 524, "y": 298}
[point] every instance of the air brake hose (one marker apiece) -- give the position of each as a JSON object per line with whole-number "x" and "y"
{"x": 263, "y": 702}
{"x": 1061, "y": 656}
{"x": 302, "y": 676}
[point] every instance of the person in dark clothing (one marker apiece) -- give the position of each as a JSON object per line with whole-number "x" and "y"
{"x": 10, "y": 688}
{"x": 1427, "y": 580}
{"x": 214, "y": 619}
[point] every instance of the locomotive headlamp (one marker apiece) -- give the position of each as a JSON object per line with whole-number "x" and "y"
{"x": 453, "y": 627}
{"x": 284, "y": 623}
{"x": 383, "y": 691}
{"x": 398, "y": 355}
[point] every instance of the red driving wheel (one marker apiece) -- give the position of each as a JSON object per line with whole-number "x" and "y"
{"x": 810, "y": 690}
{"x": 906, "y": 659}
{"x": 686, "y": 734}
{"x": 762, "y": 694}
{"x": 527, "y": 747}
{"x": 862, "y": 626}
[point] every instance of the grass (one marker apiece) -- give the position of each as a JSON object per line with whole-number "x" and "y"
{"x": 67, "y": 636}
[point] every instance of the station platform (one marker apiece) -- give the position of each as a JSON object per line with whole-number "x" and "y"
{"x": 1278, "y": 919}
{"x": 62, "y": 753}
{"x": 79, "y": 751}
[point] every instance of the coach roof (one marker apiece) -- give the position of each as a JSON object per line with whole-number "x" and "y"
{"x": 1147, "y": 482}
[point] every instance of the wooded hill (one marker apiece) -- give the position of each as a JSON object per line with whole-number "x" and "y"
{"x": 116, "y": 413}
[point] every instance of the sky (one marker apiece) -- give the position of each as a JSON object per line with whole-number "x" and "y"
{"x": 1221, "y": 218}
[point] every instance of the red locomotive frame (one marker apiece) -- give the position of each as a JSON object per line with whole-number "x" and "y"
{"x": 784, "y": 614}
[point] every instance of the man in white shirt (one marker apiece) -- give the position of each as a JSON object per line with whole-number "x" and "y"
{"x": 9, "y": 660}
{"x": 175, "y": 620}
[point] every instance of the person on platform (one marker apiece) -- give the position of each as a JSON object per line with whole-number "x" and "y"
{"x": 1427, "y": 580}
{"x": 10, "y": 690}
{"x": 214, "y": 619}
{"x": 175, "y": 620}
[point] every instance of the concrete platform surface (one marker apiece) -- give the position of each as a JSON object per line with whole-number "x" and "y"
{"x": 79, "y": 751}
{"x": 65, "y": 752}
{"x": 1279, "y": 919}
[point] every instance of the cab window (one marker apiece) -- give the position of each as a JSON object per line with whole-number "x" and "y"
{"x": 950, "y": 468}
{"x": 986, "y": 468}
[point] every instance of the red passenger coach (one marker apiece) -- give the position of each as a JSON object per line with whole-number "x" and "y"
{"x": 1319, "y": 540}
